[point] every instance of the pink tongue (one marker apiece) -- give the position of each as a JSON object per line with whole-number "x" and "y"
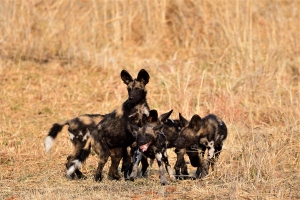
{"x": 144, "y": 147}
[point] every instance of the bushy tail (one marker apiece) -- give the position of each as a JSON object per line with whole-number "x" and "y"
{"x": 83, "y": 155}
{"x": 56, "y": 128}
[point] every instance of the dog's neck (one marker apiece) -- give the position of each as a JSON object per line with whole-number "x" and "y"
{"x": 130, "y": 105}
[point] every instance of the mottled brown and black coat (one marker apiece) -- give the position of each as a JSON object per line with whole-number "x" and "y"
{"x": 112, "y": 135}
{"x": 203, "y": 134}
{"x": 79, "y": 129}
{"x": 151, "y": 142}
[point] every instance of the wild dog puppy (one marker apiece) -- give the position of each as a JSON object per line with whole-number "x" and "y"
{"x": 136, "y": 154}
{"x": 171, "y": 129}
{"x": 206, "y": 133}
{"x": 112, "y": 135}
{"x": 152, "y": 143}
{"x": 79, "y": 129}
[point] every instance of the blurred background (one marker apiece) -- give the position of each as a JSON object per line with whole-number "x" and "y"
{"x": 239, "y": 59}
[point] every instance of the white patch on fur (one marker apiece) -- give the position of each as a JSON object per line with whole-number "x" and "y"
{"x": 77, "y": 165}
{"x": 86, "y": 136}
{"x": 71, "y": 136}
{"x": 158, "y": 156}
{"x": 211, "y": 150}
{"x": 49, "y": 141}
{"x": 146, "y": 111}
{"x": 220, "y": 122}
{"x": 221, "y": 137}
{"x": 80, "y": 133}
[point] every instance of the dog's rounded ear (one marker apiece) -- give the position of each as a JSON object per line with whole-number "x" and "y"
{"x": 143, "y": 76}
{"x": 183, "y": 121}
{"x": 195, "y": 123}
{"x": 153, "y": 116}
{"x": 165, "y": 116}
{"x": 161, "y": 126}
{"x": 126, "y": 77}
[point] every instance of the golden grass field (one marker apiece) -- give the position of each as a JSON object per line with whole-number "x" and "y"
{"x": 239, "y": 59}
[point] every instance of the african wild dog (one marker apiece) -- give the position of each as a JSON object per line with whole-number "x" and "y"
{"x": 171, "y": 130}
{"x": 79, "y": 130}
{"x": 152, "y": 143}
{"x": 113, "y": 132}
{"x": 172, "y": 127}
{"x": 206, "y": 133}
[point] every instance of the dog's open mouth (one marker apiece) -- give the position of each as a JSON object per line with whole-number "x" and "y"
{"x": 144, "y": 147}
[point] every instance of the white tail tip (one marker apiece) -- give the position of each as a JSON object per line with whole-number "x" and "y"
{"x": 49, "y": 141}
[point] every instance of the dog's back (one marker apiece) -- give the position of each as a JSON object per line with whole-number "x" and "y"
{"x": 79, "y": 129}
{"x": 213, "y": 129}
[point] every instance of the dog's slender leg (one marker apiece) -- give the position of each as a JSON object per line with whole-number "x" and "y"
{"x": 145, "y": 165}
{"x": 183, "y": 167}
{"x": 162, "y": 176}
{"x": 180, "y": 164}
{"x": 78, "y": 146}
{"x": 202, "y": 169}
{"x": 167, "y": 165}
{"x": 212, "y": 161}
{"x": 127, "y": 164}
{"x": 137, "y": 158}
{"x": 116, "y": 156}
{"x": 103, "y": 156}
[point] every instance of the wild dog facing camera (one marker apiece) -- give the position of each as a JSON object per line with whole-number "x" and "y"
{"x": 136, "y": 88}
{"x": 149, "y": 134}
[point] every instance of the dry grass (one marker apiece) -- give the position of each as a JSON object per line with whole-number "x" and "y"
{"x": 238, "y": 59}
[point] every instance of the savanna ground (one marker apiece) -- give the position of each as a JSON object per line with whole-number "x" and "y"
{"x": 239, "y": 59}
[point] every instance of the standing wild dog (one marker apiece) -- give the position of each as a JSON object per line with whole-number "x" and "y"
{"x": 79, "y": 129}
{"x": 206, "y": 133}
{"x": 152, "y": 143}
{"x": 113, "y": 132}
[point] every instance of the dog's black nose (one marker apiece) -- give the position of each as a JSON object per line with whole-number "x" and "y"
{"x": 130, "y": 97}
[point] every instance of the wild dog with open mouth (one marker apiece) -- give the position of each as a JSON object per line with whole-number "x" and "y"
{"x": 206, "y": 133}
{"x": 113, "y": 133}
{"x": 171, "y": 130}
{"x": 79, "y": 129}
{"x": 152, "y": 143}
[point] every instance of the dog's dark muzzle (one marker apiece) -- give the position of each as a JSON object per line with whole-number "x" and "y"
{"x": 131, "y": 97}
